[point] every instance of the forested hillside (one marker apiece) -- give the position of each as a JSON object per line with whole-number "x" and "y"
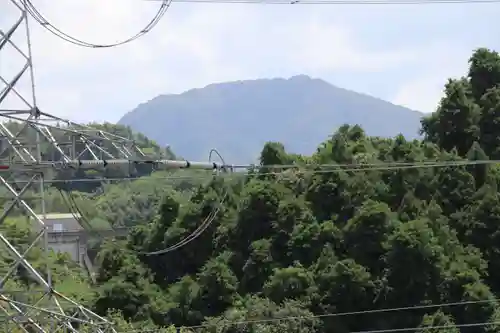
{"x": 315, "y": 243}
{"x": 407, "y": 225}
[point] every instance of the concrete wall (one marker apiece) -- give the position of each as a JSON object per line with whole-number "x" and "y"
{"x": 70, "y": 243}
{"x": 75, "y": 244}
{"x": 71, "y": 248}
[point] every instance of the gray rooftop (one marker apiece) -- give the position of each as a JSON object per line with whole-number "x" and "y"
{"x": 61, "y": 222}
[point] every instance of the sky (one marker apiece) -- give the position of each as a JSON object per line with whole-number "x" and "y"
{"x": 401, "y": 53}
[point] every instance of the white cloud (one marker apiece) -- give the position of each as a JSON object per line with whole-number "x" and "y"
{"x": 423, "y": 94}
{"x": 425, "y": 89}
{"x": 199, "y": 44}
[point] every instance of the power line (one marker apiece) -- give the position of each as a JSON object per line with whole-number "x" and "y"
{"x": 352, "y": 313}
{"x": 191, "y": 237}
{"x": 70, "y": 202}
{"x": 440, "y": 327}
{"x": 336, "y": 2}
{"x": 42, "y": 20}
{"x": 213, "y": 214}
{"x": 165, "y": 4}
{"x": 389, "y": 330}
{"x": 312, "y": 169}
{"x": 73, "y": 207}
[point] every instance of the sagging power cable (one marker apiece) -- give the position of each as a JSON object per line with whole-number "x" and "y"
{"x": 42, "y": 20}
{"x": 202, "y": 227}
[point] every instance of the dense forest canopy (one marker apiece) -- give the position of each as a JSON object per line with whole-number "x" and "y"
{"x": 311, "y": 249}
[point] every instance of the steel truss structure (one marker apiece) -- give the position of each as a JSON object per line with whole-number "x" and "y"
{"x": 43, "y": 147}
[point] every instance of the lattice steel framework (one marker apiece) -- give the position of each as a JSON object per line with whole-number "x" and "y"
{"x": 25, "y": 165}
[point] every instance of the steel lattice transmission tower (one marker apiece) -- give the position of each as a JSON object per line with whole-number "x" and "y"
{"x": 36, "y": 147}
{"x": 23, "y": 169}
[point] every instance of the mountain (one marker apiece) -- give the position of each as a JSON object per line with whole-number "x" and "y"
{"x": 237, "y": 118}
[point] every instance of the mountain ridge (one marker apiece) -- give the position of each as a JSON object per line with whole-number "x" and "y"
{"x": 237, "y": 117}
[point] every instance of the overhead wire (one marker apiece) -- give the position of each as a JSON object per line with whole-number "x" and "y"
{"x": 35, "y": 13}
{"x": 73, "y": 207}
{"x": 436, "y": 327}
{"x": 44, "y": 22}
{"x": 191, "y": 237}
{"x": 335, "y": 2}
{"x": 389, "y": 330}
{"x": 201, "y": 228}
{"x": 311, "y": 169}
{"x": 75, "y": 210}
{"x": 351, "y": 313}
{"x": 318, "y": 169}
{"x": 330, "y": 168}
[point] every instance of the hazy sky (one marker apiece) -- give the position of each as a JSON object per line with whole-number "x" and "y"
{"x": 403, "y": 54}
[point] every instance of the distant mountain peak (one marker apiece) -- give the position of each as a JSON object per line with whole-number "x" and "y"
{"x": 238, "y": 117}
{"x": 301, "y": 78}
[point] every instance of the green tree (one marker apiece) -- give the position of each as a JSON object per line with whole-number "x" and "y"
{"x": 456, "y": 122}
